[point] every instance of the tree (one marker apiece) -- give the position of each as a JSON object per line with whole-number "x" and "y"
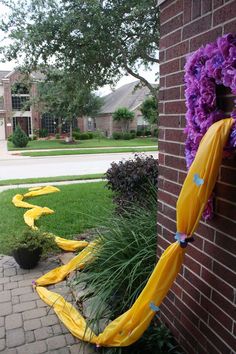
{"x": 125, "y": 116}
{"x": 19, "y": 138}
{"x": 65, "y": 98}
{"x": 97, "y": 41}
{"x": 149, "y": 110}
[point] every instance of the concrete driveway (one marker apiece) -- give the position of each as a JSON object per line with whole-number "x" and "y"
{"x": 29, "y": 167}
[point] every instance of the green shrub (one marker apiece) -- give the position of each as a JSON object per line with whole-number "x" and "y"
{"x": 90, "y": 134}
{"x": 76, "y": 135}
{"x": 132, "y": 180}
{"x": 57, "y": 136}
{"x": 133, "y": 134}
{"x": 140, "y": 132}
{"x": 117, "y": 135}
{"x": 9, "y": 138}
{"x": 84, "y": 136}
{"x": 127, "y": 136}
{"x": 76, "y": 130}
{"x": 147, "y": 132}
{"x": 155, "y": 132}
{"x": 19, "y": 138}
{"x": 43, "y": 133}
{"x": 34, "y": 137}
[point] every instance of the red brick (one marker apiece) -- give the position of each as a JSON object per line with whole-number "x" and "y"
{"x": 173, "y": 24}
{"x": 161, "y": 107}
{"x": 175, "y": 162}
{"x": 225, "y": 242}
{"x": 170, "y": 212}
{"x": 175, "y": 135}
{"x": 229, "y": 338}
{"x": 187, "y": 11}
{"x": 206, "y": 231}
{"x": 170, "y": 39}
{"x": 227, "y": 275}
{"x": 218, "y": 3}
{"x": 163, "y": 243}
{"x": 228, "y": 175}
{"x": 217, "y": 283}
{"x": 169, "y": 148}
{"x": 195, "y": 307}
{"x": 186, "y": 332}
{"x": 167, "y": 198}
{"x": 216, "y": 312}
{"x": 197, "y": 282}
{"x": 182, "y": 176}
{"x": 178, "y": 50}
{"x": 230, "y": 27}
{"x": 173, "y": 10}
{"x": 162, "y": 55}
{"x": 196, "y": 27}
{"x": 161, "y": 159}
{"x": 162, "y": 81}
{"x": 227, "y": 306}
{"x": 169, "y": 235}
{"x": 206, "y": 6}
{"x": 171, "y": 94}
{"x": 226, "y": 191}
{"x": 208, "y": 37}
{"x": 175, "y": 79}
{"x": 225, "y": 225}
{"x": 201, "y": 257}
{"x": 214, "y": 339}
{"x": 167, "y": 223}
{"x": 226, "y": 209}
{"x": 225, "y": 13}
{"x": 190, "y": 264}
{"x": 175, "y": 107}
{"x": 177, "y": 290}
{"x": 168, "y": 173}
{"x": 189, "y": 288}
{"x": 161, "y": 133}
{"x": 171, "y": 307}
{"x": 196, "y": 9}
{"x": 169, "y": 121}
{"x": 172, "y": 188}
{"x": 220, "y": 254}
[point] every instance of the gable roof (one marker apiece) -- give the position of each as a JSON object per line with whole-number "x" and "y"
{"x": 4, "y": 73}
{"x": 124, "y": 96}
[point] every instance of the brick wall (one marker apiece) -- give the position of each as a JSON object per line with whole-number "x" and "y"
{"x": 200, "y": 308}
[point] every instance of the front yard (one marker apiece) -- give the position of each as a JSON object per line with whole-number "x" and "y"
{"x": 93, "y": 143}
{"x": 77, "y": 208}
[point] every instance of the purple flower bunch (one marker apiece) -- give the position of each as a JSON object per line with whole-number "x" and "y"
{"x": 209, "y": 66}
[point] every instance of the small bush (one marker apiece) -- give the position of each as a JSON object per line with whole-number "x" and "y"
{"x": 132, "y": 180}
{"x": 76, "y": 130}
{"x": 76, "y": 135}
{"x": 117, "y": 135}
{"x": 34, "y": 137}
{"x": 9, "y": 138}
{"x": 84, "y": 136}
{"x": 127, "y": 136}
{"x": 43, "y": 133}
{"x": 19, "y": 138}
{"x": 57, "y": 136}
{"x": 133, "y": 133}
{"x": 155, "y": 132}
{"x": 90, "y": 134}
{"x": 147, "y": 132}
{"x": 140, "y": 132}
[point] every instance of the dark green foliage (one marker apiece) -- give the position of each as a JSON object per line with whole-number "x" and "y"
{"x": 31, "y": 240}
{"x": 127, "y": 136}
{"x": 149, "y": 110}
{"x": 34, "y": 137}
{"x": 124, "y": 116}
{"x": 90, "y": 134}
{"x": 117, "y": 135}
{"x": 76, "y": 135}
{"x": 132, "y": 180}
{"x": 155, "y": 132}
{"x": 84, "y": 136}
{"x": 133, "y": 133}
{"x": 43, "y": 133}
{"x": 19, "y": 138}
{"x": 9, "y": 138}
{"x": 57, "y": 136}
{"x": 148, "y": 132}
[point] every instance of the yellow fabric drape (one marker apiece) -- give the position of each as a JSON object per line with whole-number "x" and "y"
{"x": 129, "y": 327}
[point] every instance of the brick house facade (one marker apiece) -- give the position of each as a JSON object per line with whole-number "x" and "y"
{"x": 200, "y": 307}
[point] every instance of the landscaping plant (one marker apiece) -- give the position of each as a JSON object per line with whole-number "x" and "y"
{"x": 132, "y": 180}
{"x": 19, "y": 138}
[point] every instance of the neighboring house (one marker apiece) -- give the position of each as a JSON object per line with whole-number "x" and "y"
{"x": 14, "y": 109}
{"x": 126, "y": 96}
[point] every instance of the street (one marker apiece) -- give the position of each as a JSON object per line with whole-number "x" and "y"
{"x": 30, "y": 167}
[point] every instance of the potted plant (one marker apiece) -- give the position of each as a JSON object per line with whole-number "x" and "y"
{"x": 28, "y": 246}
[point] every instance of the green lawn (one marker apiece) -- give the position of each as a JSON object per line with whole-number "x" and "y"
{"x": 84, "y": 152}
{"x": 59, "y": 144}
{"x": 77, "y": 208}
{"x": 8, "y": 182}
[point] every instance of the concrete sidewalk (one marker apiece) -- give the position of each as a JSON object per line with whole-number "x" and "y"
{"x": 27, "y": 324}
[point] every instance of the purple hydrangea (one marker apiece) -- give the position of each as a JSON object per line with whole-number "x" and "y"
{"x": 214, "y": 64}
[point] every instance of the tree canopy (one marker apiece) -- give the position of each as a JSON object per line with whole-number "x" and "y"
{"x": 97, "y": 41}
{"x": 149, "y": 110}
{"x": 123, "y": 115}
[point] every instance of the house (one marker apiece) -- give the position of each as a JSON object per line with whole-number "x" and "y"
{"x": 14, "y": 110}
{"x": 129, "y": 96}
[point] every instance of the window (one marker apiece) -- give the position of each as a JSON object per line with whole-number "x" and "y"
{"x": 49, "y": 123}
{"x": 20, "y": 103}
